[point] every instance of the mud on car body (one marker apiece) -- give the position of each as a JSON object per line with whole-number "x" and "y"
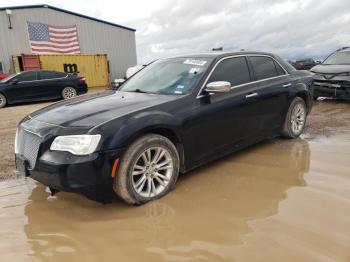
{"x": 332, "y": 77}
{"x": 174, "y": 115}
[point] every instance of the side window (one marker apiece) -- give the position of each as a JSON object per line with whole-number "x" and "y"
{"x": 234, "y": 70}
{"x": 26, "y": 76}
{"x": 50, "y": 75}
{"x": 279, "y": 69}
{"x": 1, "y": 69}
{"x": 264, "y": 67}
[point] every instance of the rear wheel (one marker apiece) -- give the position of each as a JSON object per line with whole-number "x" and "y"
{"x": 69, "y": 92}
{"x": 295, "y": 119}
{"x": 3, "y": 101}
{"x": 148, "y": 170}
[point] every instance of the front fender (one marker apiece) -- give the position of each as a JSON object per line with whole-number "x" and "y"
{"x": 138, "y": 124}
{"x": 305, "y": 90}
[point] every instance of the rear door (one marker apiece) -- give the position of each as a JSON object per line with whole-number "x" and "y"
{"x": 273, "y": 84}
{"x": 50, "y": 83}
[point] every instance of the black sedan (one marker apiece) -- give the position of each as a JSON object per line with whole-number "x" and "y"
{"x": 43, "y": 85}
{"x": 172, "y": 116}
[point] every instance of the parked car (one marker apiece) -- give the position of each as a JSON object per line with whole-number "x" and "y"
{"x": 2, "y": 76}
{"x": 304, "y": 64}
{"x": 174, "y": 115}
{"x": 133, "y": 70}
{"x": 332, "y": 77}
{"x": 30, "y": 86}
{"x": 129, "y": 73}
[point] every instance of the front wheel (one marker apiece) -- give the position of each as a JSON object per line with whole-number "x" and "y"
{"x": 148, "y": 170}
{"x": 3, "y": 101}
{"x": 295, "y": 119}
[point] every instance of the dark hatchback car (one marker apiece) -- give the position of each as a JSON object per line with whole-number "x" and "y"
{"x": 31, "y": 86}
{"x": 332, "y": 77}
{"x": 304, "y": 64}
{"x": 172, "y": 116}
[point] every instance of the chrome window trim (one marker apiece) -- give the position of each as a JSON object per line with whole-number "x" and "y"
{"x": 252, "y": 82}
{"x": 39, "y": 80}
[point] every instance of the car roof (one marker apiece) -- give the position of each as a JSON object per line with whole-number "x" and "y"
{"x": 216, "y": 56}
{"x": 35, "y": 71}
{"x": 219, "y": 55}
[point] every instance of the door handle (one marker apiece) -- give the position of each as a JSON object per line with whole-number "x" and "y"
{"x": 287, "y": 85}
{"x": 251, "y": 95}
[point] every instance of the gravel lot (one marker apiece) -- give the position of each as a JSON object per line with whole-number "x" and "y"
{"x": 281, "y": 200}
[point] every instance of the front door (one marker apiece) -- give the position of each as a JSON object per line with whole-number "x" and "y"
{"x": 220, "y": 121}
{"x": 23, "y": 87}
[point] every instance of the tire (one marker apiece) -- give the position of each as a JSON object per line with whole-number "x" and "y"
{"x": 3, "y": 101}
{"x": 69, "y": 92}
{"x": 295, "y": 120}
{"x": 138, "y": 181}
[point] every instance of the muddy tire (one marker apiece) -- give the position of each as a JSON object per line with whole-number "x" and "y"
{"x": 295, "y": 119}
{"x": 3, "y": 101}
{"x": 148, "y": 170}
{"x": 69, "y": 92}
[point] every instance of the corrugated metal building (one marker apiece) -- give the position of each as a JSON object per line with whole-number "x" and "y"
{"x": 95, "y": 36}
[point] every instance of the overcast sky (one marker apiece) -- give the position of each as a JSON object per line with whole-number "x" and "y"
{"x": 291, "y": 29}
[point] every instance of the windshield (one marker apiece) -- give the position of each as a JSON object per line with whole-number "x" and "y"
{"x": 170, "y": 76}
{"x": 8, "y": 78}
{"x": 338, "y": 58}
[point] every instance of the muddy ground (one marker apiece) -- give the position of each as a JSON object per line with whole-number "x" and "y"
{"x": 281, "y": 200}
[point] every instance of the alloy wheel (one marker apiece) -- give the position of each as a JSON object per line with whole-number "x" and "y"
{"x": 69, "y": 92}
{"x": 2, "y": 101}
{"x": 152, "y": 172}
{"x": 298, "y": 118}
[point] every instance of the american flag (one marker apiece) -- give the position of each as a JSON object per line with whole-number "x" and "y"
{"x": 53, "y": 39}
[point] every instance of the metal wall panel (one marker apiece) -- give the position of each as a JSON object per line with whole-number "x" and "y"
{"x": 94, "y": 37}
{"x": 93, "y": 67}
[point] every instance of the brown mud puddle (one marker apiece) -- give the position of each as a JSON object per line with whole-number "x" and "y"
{"x": 281, "y": 200}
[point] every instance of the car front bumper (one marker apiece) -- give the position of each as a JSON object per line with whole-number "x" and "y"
{"x": 339, "y": 88}
{"x": 62, "y": 171}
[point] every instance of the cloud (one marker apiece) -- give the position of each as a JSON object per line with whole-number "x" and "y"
{"x": 292, "y": 29}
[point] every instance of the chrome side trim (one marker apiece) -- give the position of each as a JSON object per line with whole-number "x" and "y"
{"x": 252, "y": 82}
{"x": 40, "y": 80}
{"x": 251, "y": 95}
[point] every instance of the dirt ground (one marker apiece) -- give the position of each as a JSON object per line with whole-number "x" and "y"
{"x": 281, "y": 200}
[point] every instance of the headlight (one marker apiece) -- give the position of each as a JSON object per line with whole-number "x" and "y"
{"x": 76, "y": 144}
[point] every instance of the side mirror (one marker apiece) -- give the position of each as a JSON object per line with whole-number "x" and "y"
{"x": 118, "y": 82}
{"x": 14, "y": 82}
{"x": 218, "y": 87}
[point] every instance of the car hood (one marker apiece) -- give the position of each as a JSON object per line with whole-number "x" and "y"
{"x": 92, "y": 110}
{"x": 331, "y": 69}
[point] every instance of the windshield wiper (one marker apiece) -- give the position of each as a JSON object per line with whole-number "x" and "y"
{"x": 141, "y": 91}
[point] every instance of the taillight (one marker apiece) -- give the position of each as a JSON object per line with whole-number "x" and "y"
{"x": 82, "y": 79}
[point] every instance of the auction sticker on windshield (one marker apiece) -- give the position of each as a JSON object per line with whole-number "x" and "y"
{"x": 195, "y": 62}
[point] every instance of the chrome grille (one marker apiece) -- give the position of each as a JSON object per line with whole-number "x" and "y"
{"x": 28, "y": 145}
